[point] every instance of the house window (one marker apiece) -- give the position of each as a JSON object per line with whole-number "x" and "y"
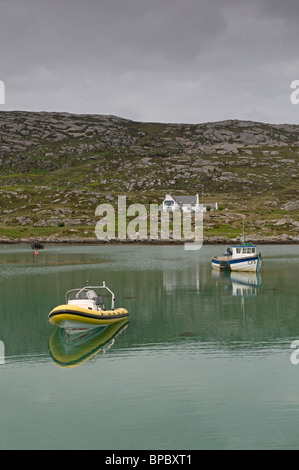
{"x": 168, "y": 203}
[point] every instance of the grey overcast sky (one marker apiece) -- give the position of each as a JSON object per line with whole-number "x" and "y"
{"x": 186, "y": 61}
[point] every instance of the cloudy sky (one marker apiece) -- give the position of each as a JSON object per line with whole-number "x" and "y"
{"x": 186, "y": 61}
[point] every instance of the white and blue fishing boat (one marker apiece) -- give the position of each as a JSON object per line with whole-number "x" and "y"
{"x": 242, "y": 257}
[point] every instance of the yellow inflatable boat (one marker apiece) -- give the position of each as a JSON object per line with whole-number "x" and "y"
{"x": 84, "y": 309}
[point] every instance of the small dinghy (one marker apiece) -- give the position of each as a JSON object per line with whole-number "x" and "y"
{"x": 84, "y": 309}
{"x": 36, "y": 245}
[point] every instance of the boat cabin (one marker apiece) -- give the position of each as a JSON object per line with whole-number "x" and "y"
{"x": 241, "y": 251}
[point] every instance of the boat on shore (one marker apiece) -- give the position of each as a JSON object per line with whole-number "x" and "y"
{"x": 84, "y": 309}
{"x": 242, "y": 257}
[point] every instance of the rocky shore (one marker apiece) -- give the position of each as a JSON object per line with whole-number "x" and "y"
{"x": 74, "y": 240}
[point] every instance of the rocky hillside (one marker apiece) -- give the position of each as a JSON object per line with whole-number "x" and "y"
{"x": 55, "y": 168}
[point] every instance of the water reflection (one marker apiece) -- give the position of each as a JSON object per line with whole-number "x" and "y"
{"x": 245, "y": 284}
{"x": 169, "y": 304}
{"x": 242, "y": 284}
{"x": 54, "y": 257}
{"x": 72, "y": 350}
{"x": 189, "y": 354}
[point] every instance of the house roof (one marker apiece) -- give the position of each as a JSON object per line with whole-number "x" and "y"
{"x": 189, "y": 200}
{"x": 184, "y": 199}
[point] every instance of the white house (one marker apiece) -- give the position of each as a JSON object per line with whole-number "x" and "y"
{"x": 186, "y": 204}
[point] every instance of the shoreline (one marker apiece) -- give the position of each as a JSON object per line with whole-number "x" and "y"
{"x": 270, "y": 240}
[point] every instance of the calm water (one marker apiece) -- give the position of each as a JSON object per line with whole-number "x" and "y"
{"x": 203, "y": 363}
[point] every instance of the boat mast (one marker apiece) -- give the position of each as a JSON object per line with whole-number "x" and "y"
{"x": 243, "y": 235}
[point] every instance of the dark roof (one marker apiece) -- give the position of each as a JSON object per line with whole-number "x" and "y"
{"x": 189, "y": 200}
{"x": 185, "y": 199}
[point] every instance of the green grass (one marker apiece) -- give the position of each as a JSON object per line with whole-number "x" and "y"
{"x": 223, "y": 230}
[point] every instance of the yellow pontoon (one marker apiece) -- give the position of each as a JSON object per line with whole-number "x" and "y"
{"x": 84, "y": 309}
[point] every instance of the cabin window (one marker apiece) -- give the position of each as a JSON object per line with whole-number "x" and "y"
{"x": 238, "y": 250}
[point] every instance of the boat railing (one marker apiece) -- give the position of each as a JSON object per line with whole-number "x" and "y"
{"x": 88, "y": 288}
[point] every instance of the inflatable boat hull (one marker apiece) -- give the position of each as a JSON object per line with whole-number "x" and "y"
{"x": 77, "y": 319}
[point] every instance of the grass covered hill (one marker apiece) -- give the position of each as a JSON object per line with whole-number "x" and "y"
{"x": 55, "y": 168}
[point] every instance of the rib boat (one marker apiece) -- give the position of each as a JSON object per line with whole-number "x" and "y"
{"x": 84, "y": 309}
{"x": 242, "y": 257}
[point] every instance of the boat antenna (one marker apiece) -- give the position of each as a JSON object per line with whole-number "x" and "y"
{"x": 243, "y": 236}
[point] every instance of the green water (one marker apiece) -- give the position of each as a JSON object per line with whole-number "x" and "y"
{"x": 203, "y": 363}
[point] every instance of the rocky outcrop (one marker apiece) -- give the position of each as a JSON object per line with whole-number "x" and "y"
{"x": 49, "y": 140}
{"x": 291, "y": 206}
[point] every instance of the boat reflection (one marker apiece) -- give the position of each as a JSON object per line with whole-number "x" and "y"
{"x": 72, "y": 350}
{"x": 241, "y": 284}
{"x": 245, "y": 284}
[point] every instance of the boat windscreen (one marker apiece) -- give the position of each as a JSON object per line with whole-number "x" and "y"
{"x": 84, "y": 294}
